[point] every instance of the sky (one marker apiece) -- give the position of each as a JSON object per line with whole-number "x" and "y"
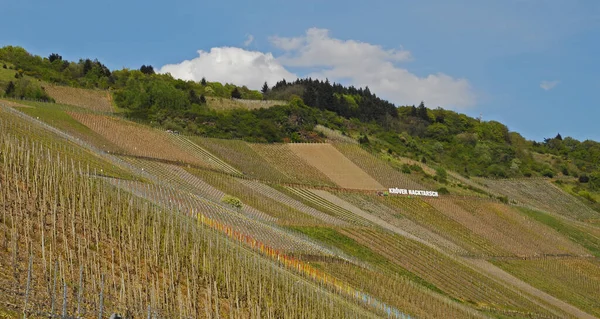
{"x": 530, "y": 64}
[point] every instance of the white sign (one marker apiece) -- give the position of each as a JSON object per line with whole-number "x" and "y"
{"x": 402, "y": 191}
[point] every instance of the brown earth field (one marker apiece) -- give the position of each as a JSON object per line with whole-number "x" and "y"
{"x": 335, "y": 166}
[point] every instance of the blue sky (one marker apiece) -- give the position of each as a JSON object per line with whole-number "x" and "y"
{"x": 531, "y": 64}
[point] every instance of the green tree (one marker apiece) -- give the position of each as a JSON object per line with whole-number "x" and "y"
{"x": 265, "y": 88}
{"x": 441, "y": 175}
{"x": 54, "y": 56}
{"x": 422, "y": 112}
{"x": 10, "y": 89}
{"x": 203, "y": 81}
{"x": 147, "y": 69}
{"x": 236, "y": 93}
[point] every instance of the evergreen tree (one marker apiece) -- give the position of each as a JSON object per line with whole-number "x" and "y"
{"x": 422, "y": 112}
{"x": 203, "y": 81}
{"x": 558, "y": 137}
{"x": 87, "y": 66}
{"x": 265, "y": 88}
{"x": 53, "y": 57}
{"x": 236, "y": 94}
{"x": 10, "y": 89}
{"x": 147, "y": 69}
{"x": 202, "y": 99}
{"x": 194, "y": 99}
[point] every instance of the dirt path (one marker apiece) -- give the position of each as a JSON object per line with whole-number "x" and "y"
{"x": 501, "y": 275}
{"x": 335, "y": 166}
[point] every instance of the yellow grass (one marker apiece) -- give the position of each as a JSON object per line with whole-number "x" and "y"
{"x": 95, "y": 100}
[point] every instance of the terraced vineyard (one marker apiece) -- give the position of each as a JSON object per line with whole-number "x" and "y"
{"x": 504, "y": 226}
{"x": 138, "y": 140}
{"x": 372, "y": 204}
{"x": 574, "y": 280}
{"x": 316, "y": 238}
{"x": 186, "y": 203}
{"x": 380, "y": 170}
{"x": 94, "y": 100}
{"x": 15, "y": 123}
{"x": 439, "y": 223}
{"x": 112, "y": 252}
{"x": 309, "y": 196}
{"x": 250, "y": 197}
{"x": 289, "y": 201}
{"x": 542, "y": 195}
{"x": 335, "y": 166}
{"x": 449, "y": 275}
{"x": 243, "y": 157}
{"x": 291, "y": 165}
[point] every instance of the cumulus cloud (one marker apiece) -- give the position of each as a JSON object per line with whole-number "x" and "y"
{"x": 317, "y": 48}
{"x": 319, "y": 55}
{"x": 249, "y": 40}
{"x": 548, "y": 85}
{"x": 231, "y": 65}
{"x": 365, "y": 64}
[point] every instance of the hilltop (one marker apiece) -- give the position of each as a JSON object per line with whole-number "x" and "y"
{"x": 132, "y": 192}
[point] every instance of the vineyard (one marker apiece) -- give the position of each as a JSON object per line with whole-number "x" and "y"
{"x": 444, "y": 273}
{"x": 542, "y": 195}
{"x": 335, "y": 166}
{"x": 243, "y": 157}
{"x": 138, "y": 140}
{"x": 381, "y": 171}
{"x": 115, "y": 253}
{"x": 99, "y": 215}
{"x": 574, "y": 280}
{"x": 291, "y": 165}
{"x": 94, "y": 100}
{"x": 506, "y": 228}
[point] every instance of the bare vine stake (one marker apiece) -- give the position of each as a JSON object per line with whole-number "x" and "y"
{"x": 53, "y": 297}
{"x": 64, "y": 312}
{"x": 80, "y": 292}
{"x": 28, "y": 287}
{"x": 101, "y": 298}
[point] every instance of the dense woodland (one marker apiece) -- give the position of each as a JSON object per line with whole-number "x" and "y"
{"x": 437, "y": 136}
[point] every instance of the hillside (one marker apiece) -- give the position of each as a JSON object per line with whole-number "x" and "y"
{"x": 132, "y": 198}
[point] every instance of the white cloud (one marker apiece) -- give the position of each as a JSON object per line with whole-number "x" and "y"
{"x": 249, "y": 40}
{"x": 365, "y": 64}
{"x": 317, "y": 48}
{"x": 231, "y": 65}
{"x": 352, "y": 62}
{"x": 548, "y": 85}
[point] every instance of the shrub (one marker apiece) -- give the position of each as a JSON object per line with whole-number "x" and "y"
{"x": 548, "y": 173}
{"x": 416, "y": 168}
{"x": 503, "y": 199}
{"x": 584, "y": 179}
{"x": 443, "y": 191}
{"x": 441, "y": 175}
{"x": 586, "y": 195}
{"x": 363, "y": 139}
{"x": 233, "y": 201}
{"x": 406, "y": 169}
